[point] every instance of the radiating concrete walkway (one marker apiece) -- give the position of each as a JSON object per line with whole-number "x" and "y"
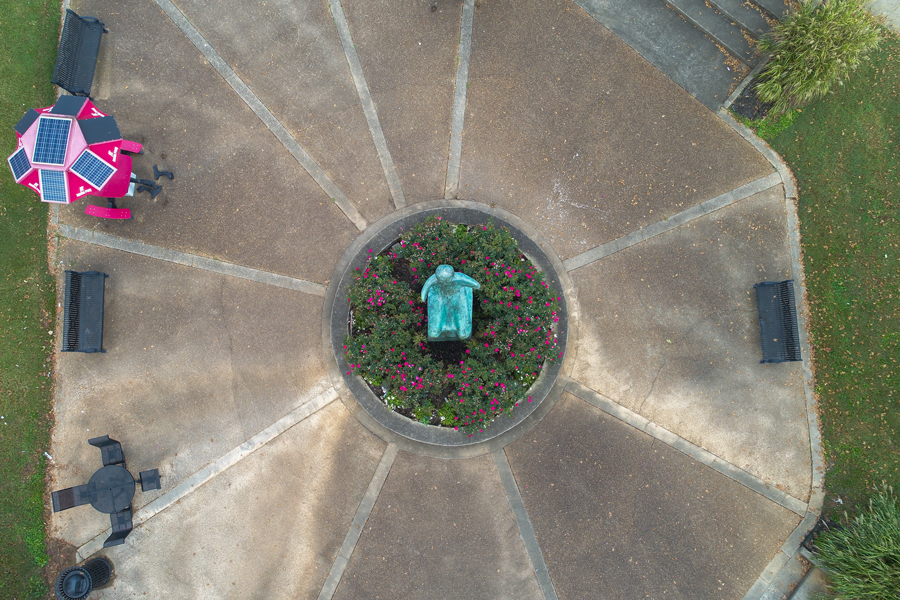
{"x": 674, "y": 465}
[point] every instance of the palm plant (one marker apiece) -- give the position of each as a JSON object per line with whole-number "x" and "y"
{"x": 863, "y": 559}
{"x": 813, "y": 48}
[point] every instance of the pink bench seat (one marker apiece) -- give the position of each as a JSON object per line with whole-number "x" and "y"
{"x": 134, "y": 147}
{"x": 107, "y": 213}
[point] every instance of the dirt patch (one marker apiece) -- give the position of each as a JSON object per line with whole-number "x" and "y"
{"x": 749, "y": 106}
{"x": 62, "y": 555}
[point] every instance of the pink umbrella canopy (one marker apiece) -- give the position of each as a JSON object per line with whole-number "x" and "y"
{"x": 66, "y": 151}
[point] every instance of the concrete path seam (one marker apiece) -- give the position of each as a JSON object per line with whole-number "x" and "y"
{"x": 191, "y": 260}
{"x": 526, "y": 530}
{"x": 677, "y": 220}
{"x": 782, "y": 573}
{"x": 451, "y": 188}
{"x": 769, "y": 578}
{"x": 368, "y": 105}
{"x": 677, "y": 442}
{"x": 359, "y": 521}
{"x": 229, "y": 459}
{"x": 274, "y": 125}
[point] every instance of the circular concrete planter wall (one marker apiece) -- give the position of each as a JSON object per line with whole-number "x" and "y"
{"x": 395, "y": 428}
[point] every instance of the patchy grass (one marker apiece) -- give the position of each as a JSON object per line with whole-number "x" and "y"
{"x": 28, "y": 39}
{"x": 771, "y": 125}
{"x": 845, "y": 152}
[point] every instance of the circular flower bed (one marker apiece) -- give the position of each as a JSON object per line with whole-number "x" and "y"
{"x": 459, "y": 384}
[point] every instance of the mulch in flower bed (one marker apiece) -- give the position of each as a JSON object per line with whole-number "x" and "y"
{"x": 749, "y": 106}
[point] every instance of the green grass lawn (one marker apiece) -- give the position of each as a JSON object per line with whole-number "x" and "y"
{"x": 28, "y": 39}
{"x": 845, "y": 153}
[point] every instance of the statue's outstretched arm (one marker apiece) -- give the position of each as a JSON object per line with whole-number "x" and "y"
{"x": 426, "y": 287}
{"x": 463, "y": 279}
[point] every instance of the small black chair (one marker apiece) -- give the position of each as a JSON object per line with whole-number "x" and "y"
{"x": 70, "y": 498}
{"x": 79, "y": 47}
{"x": 149, "y": 480}
{"x": 121, "y": 527}
{"x": 110, "y": 450}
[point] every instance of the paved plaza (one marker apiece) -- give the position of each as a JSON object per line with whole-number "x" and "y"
{"x": 672, "y": 465}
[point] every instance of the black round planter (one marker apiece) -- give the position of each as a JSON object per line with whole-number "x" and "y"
{"x": 395, "y": 428}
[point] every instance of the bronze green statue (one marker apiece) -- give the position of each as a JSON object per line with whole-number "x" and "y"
{"x": 449, "y": 297}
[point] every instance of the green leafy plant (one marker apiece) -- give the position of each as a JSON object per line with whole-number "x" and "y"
{"x": 770, "y": 125}
{"x": 463, "y": 384}
{"x": 814, "y": 48}
{"x": 862, "y": 559}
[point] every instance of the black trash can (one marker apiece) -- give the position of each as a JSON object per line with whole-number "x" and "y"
{"x": 76, "y": 583}
{"x": 100, "y": 570}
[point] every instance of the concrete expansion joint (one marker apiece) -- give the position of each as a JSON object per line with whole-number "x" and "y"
{"x": 359, "y": 521}
{"x": 779, "y": 578}
{"x": 451, "y": 187}
{"x": 191, "y": 260}
{"x": 368, "y": 105}
{"x": 318, "y": 397}
{"x": 665, "y": 225}
{"x": 265, "y": 115}
{"x": 526, "y": 529}
{"x": 722, "y": 466}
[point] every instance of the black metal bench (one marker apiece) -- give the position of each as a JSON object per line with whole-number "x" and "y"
{"x": 83, "y": 312}
{"x": 76, "y": 60}
{"x": 778, "y": 332}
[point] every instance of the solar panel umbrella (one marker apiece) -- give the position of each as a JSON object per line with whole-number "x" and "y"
{"x": 71, "y": 150}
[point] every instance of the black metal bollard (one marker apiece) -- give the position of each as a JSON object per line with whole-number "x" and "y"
{"x": 76, "y": 583}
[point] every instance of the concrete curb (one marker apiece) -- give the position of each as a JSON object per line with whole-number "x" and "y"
{"x": 770, "y": 583}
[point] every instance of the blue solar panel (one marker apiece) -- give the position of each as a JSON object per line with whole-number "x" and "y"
{"x": 53, "y": 186}
{"x": 93, "y": 170}
{"x": 19, "y": 164}
{"x": 52, "y": 141}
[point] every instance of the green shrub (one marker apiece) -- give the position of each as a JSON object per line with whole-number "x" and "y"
{"x": 814, "y": 48}
{"x": 467, "y": 384}
{"x": 863, "y": 558}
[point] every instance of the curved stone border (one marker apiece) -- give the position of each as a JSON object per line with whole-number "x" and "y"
{"x": 425, "y": 439}
{"x": 778, "y": 577}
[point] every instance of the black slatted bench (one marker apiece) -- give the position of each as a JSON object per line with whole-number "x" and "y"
{"x": 76, "y": 60}
{"x": 83, "y": 312}
{"x": 778, "y": 332}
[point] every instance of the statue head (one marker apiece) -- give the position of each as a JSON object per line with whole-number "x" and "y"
{"x": 444, "y": 273}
